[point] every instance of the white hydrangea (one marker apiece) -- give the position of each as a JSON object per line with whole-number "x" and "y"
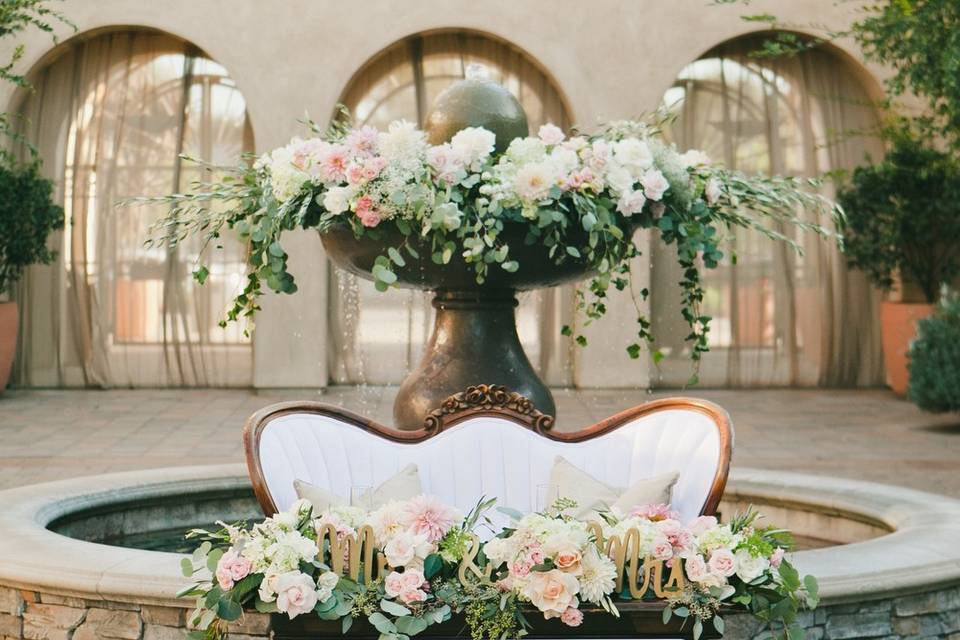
{"x": 524, "y": 150}
{"x": 286, "y": 180}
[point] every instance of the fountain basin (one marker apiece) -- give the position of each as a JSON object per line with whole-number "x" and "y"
{"x": 886, "y": 557}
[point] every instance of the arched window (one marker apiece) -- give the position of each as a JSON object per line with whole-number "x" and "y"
{"x": 778, "y": 318}
{"x": 377, "y": 337}
{"x": 111, "y": 115}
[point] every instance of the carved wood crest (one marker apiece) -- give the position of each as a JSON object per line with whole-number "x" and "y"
{"x": 485, "y": 399}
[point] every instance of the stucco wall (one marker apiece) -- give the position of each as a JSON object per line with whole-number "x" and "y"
{"x": 610, "y": 58}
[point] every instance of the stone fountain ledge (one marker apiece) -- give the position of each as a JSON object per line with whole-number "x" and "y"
{"x": 905, "y": 583}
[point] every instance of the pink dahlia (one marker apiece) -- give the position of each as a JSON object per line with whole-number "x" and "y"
{"x": 428, "y": 516}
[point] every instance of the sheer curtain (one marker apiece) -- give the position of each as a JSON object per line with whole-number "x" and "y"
{"x": 110, "y": 116}
{"x": 778, "y": 318}
{"x": 377, "y": 337}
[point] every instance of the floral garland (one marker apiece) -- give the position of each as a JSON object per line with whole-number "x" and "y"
{"x": 581, "y": 197}
{"x": 411, "y": 564}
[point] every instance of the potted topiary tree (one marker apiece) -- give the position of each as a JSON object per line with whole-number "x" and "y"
{"x": 27, "y": 216}
{"x": 935, "y": 360}
{"x": 903, "y": 229}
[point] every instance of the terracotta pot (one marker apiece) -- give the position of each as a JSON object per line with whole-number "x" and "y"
{"x": 9, "y": 318}
{"x": 898, "y": 325}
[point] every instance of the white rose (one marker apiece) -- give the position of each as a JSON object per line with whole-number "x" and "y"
{"x": 654, "y": 184}
{"x": 634, "y": 155}
{"x": 713, "y": 191}
{"x": 326, "y": 583}
{"x": 551, "y": 134}
{"x": 448, "y": 215}
{"x": 337, "y": 199}
{"x": 473, "y": 144}
{"x": 749, "y": 567}
{"x": 631, "y": 202}
{"x": 268, "y": 587}
{"x": 296, "y": 594}
{"x": 405, "y": 548}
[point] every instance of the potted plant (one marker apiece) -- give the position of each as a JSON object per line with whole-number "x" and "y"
{"x": 903, "y": 230}
{"x": 27, "y": 216}
{"x": 935, "y": 359}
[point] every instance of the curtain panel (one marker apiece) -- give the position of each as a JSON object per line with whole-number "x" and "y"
{"x": 779, "y": 318}
{"x": 110, "y": 117}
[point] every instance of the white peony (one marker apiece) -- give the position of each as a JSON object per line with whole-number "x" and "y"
{"x": 713, "y": 191}
{"x": 634, "y": 155}
{"x": 750, "y": 567}
{"x": 551, "y": 134}
{"x": 473, "y": 144}
{"x": 500, "y": 550}
{"x": 337, "y": 199}
{"x": 406, "y": 549}
{"x": 598, "y": 577}
{"x": 654, "y": 184}
{"x": 534, "y": 180}
{"x": 296, "y": 593}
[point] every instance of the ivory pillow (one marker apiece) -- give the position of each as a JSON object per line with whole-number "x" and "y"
{"x": 593, "y": 496}
{"x": 403, "y": 486}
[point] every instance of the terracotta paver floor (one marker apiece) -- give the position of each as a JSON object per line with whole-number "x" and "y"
{"x": 52, "y": 434}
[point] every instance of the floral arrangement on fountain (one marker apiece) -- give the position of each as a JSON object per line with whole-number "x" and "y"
{"x": 411, "y": 564}
{"x": 578, "y": 196}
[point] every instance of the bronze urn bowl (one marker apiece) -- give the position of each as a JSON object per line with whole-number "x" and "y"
{"x": 474, "y": 338}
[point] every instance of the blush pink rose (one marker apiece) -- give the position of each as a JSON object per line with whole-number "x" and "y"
{"x": 572, "y": 617}
{"x": 722, "y": 563}
{"x": 654, "y": 184}
{"x": 702, "y": 524}
{"x": 776, "y": 557}
{"x": 296, "y": 594}
{"x": 413, "y": 579}
{"x": 354, "y": 173}
{"x": 655, "y": 512}
{"x": 393, "y": 584}
{"x": 697, "y": 571}
{"x": 535, "y": 554}
{"x": 551, "y": 134}
{"x": 231, "y": 567}
{"x": 552, "y": 592}
{"x": 410, "y": 596}
{"x": 663, "y": 550}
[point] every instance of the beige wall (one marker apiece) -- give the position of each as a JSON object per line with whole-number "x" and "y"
{"x": 611, "y": 58}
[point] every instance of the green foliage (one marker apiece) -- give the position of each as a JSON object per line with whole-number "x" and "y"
{"x": 27, "y": 216}
{"x": 903, "y": 215}
{"x": 920, "y": 41}
{"x": 16, "y": 16}
{"x": 934, "y": 359}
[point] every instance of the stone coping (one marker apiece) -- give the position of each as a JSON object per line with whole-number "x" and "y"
{"x": 919, "y": 555}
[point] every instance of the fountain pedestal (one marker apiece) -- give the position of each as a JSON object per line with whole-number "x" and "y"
{"x": 474, "y": 341}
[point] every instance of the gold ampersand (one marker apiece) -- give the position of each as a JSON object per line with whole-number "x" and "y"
{"x": 468, "y": 566}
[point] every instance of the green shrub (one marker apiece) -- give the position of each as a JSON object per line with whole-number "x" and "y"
{"x": 903, "y": 215}
{"x": 935, "y": 359}
{"x": 27, "y": 216}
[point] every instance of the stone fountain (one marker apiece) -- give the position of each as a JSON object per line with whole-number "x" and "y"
{"x": 474, "y": 339}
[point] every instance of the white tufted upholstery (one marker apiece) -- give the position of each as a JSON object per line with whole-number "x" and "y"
{"x": 489, "y": 456}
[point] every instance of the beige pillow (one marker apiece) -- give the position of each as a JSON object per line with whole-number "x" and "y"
{"x": 403, "y": 486}
{"x": 593, "y": 496}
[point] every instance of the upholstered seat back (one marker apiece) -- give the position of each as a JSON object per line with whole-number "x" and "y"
{"x": 493, "y": 456}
